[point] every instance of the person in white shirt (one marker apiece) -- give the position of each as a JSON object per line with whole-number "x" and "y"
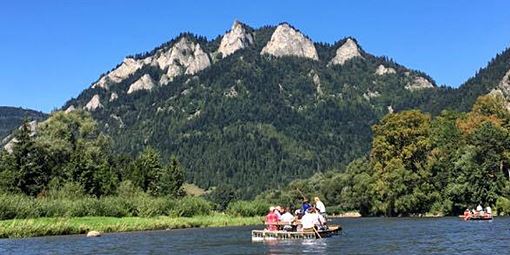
{"x": 319, "y": 205}
{"x": 312, "y": 219}
{"x": 287, "y": 218}
{"x": 479, "y": 208}
{"x": 488, "y": 210}
{"x": 308, "y": 220}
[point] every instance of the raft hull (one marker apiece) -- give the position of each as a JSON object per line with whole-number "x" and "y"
{"x": 261, "y": 235}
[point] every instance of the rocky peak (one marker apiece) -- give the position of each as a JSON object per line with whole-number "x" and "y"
{"x": 93, "y": 104}
{"x": 184, "y": 57}
{"x": 144, "y": 83}
{"x": 286, "y": 41}
{"x": 237, "y": 38}
{"x": 347, "y": 51}
{"x": 128, "y": 67}
{"x": 382, "y": 70}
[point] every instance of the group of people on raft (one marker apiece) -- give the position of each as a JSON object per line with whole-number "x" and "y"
{"x": 478, "y": 213}
{"x": 308, "y": 218}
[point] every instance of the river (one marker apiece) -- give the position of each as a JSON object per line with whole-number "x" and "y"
{"x": 447, "y": 235}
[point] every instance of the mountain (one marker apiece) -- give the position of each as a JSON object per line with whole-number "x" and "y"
{"x": 256, "y": 108}
{"x": 12, "y": 117}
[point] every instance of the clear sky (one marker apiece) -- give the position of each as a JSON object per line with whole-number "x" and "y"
{"x": 51, "y": 50}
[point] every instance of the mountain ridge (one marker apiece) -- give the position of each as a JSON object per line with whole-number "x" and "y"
{"x": 255, "y": 120}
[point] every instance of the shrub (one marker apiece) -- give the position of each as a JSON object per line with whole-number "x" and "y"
{"x": 191, "y": 206}
{"x": 127, "y": 189}
{"x": 69, "y": 190}
{"x": 248, "y": 208}
{"x": 147, "y": 206}
{"x": 503, "y": 206}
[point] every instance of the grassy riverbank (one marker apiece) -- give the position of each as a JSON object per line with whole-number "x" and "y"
{"x": 19, "y": 228}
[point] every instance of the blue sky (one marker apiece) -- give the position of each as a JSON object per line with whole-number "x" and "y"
{"x": 52, "y": 50}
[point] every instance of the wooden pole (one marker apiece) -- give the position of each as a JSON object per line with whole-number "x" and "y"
{"x": 317, "y": 233}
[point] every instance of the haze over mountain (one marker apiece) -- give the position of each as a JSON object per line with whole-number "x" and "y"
{"x": 256, "y": 108}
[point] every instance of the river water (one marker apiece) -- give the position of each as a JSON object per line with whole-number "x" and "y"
{"x": 448, "y": 235}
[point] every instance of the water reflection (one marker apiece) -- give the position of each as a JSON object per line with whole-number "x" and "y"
{"x": 297, "y": 246}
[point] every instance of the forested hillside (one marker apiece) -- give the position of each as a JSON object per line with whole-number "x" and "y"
{"x": 256, "y": 108}
{"x": 12, "y": 117}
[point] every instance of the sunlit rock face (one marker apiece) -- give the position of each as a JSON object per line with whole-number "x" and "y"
{"x": 144, "y": 83}
{"x": 94, "y": 103}
{"x": 237, "y": 38}
{"x": 128, "y": 67}
{"x": 503, "y": 89}
{"x": 419, "y": 83}
{"x": 347, "y": 51}
{"x": 286, "y": 41}
{"x": 10, "y": 140}
{"x": 184, "y": 57}
{"x": 382, "y": 70}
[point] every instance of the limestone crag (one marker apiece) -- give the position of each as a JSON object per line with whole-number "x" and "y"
{"x": 70, "y": 109}
{"x": 286, "y": 41}
{"x": 184, "y": 57}
{"x": 316, "y": 81}
{"x": 382, "y": 70}
{"x": 144, "y": 83}
{"x": 419, "y": 83}
{"x": 504, "y": 85}
{"x": 114, "y": 97}
{"x": 10, "y": 140}
{"x": 93, "y": 104}
{"x": 347, "y": 51}
{"x": 237, "y": 38}
{"x": 503, "y": 89}
{"x": 128, "y": 67}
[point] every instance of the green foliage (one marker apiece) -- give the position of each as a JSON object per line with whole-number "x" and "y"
{"x": 248, "y": 208}
{"x": 191, "y": 206}
{"x": 421, "y": 165}
{"x": 503, "y": 206}
{"x": 141, "y": 205}
{"x": 222, "y": 195}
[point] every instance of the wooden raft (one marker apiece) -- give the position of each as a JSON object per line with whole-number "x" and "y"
{"x": 260, "y": 235}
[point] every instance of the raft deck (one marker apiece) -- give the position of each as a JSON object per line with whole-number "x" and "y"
{"x": 260, "y": 235}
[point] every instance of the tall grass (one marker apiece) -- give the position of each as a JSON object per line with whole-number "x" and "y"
{"x": 62, "y": 226}
{"x": 140, "y": 205}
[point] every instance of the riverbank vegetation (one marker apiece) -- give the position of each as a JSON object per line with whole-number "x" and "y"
{"x": 418, "y": 165}
{"x": 64, "y": 226}
{"x": 421, "y": 164}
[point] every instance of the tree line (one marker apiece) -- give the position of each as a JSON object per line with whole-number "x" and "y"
{"x": 69, "y": 148}
{"x": 421, "y": 164}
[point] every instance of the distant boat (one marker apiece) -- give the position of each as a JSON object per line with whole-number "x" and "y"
{"x": 260, "y": 235}
{"x": 486, "y": 217}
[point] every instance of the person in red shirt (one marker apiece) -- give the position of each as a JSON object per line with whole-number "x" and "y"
{"x": 272, "y": 220}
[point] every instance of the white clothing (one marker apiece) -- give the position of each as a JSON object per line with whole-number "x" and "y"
{"x": 479, "y": 208}
{"x": 287, "y": 217}
{"x": 309, "y": 220}
{"x": 489, "y": 210}
{"x": 320, "y": 206}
